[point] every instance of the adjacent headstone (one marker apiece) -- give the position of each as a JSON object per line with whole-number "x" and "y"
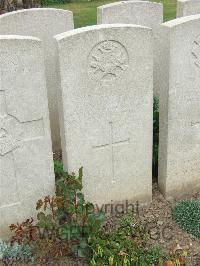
{"x": 26, "y": 163}
{"x": 106, "y": 110}
{"x": 187, "y": 8}
{"x": 43, "y": 23}
{"x": 179, "y": 148}
{"x": 143, "y": 13}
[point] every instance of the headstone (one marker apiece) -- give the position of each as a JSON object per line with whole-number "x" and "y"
{"x": 179, "y": 147}
{"x": 143, "y": 13}
{"x": 26, "y": 163}
{"x": 106, "y": 110}
{"x": 43, "y": 23}
{"x": 187, "y": 8}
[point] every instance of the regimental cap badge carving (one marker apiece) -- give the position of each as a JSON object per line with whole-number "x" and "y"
{"x": 108, "y": 60}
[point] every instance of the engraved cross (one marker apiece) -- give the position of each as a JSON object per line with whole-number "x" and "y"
{"x": 12, "y": 133}
{"x": 111, "y": 146}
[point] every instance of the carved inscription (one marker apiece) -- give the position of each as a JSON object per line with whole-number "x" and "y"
{"x": 9, "y": 128}
{"x": 108, "y": 60}
{"x": 196, "y": 51}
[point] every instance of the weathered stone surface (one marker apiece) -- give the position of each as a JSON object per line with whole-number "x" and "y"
{"x": 179, "y": 154}
{"x": 187, "y": 7}
{"x": 106, "y": 110}
{"x": 131, "y": 12}
{"x": 136, "y": 12}
{"x": 43, "y": 23}
{"x": 26, "y": 165}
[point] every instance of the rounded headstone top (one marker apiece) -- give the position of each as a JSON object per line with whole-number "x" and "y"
{"x": 38, "y": 10}
{"x": 180, "y": 21}
{"x": 64, "y": 35}
{"x": 131, "y": 2}
{"x": 18, "y": 37}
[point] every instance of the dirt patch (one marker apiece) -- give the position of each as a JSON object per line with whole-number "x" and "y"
{"x": 165, "y": 232}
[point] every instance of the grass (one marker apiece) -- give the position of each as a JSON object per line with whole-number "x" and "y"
{"x": 85, "y": 11}
{"x": 169, "y": 8}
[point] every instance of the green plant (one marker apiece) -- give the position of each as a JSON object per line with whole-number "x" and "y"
{"x": 48, "y": 2}
{"x": 127, "y": 245}
{"x": 65, "y": 222}
{"x": 15, "y": 253}
{"x": 79, "y": 221}
{"x": 68, "y": 225}
{"x": 58, "y": 169}
{"x": 186, "y": 213}
{"x": 3, "y": 247}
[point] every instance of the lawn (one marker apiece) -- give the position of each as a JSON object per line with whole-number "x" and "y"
{"x": 85, "y": 11}
{"x": 169, "y": 8}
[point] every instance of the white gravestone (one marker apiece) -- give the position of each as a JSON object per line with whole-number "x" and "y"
{"x": 144, "y": 13}
{"x": 179, "y": 148}
{"x": 106, "y": 110}
{"x": 136, "y": 12}
{"x": 43, "y": 23}
{"x": 26, "y": 163}
{"x": 187, "y": 8}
